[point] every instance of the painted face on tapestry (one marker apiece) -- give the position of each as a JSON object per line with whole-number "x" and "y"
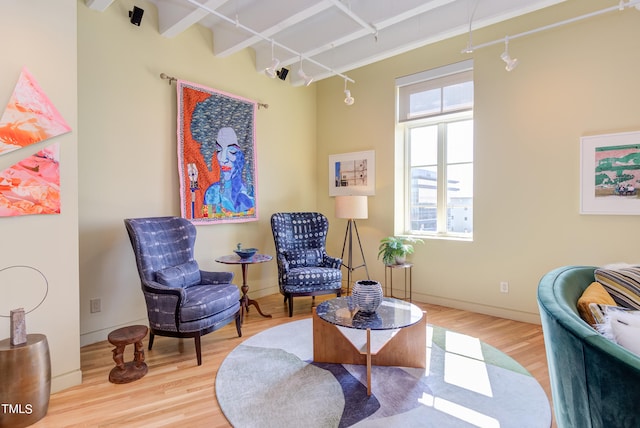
{"x": 229, "y": 154}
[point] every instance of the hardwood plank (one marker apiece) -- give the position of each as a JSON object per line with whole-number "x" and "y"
{"x": 176, "y": 391}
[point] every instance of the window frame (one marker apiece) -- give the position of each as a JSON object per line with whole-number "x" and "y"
{"x": 440, "y": 77}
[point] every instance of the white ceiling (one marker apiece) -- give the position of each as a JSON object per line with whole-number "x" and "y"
{"x": 331, "y": 36}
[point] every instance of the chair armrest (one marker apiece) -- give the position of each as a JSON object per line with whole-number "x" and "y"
{"x": 283, "y": 264}
{"x": 216, "y": 277}
{"x": 332, "y": 262}
{"x": 157, "y": 288}
{"x": 163, "y": 305}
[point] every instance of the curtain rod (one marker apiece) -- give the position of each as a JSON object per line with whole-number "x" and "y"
{"x": 620, "y": 6}
{"x": 172, "y": 79}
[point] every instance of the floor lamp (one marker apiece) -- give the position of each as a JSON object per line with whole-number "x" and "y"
{"x": 351, "y": 207}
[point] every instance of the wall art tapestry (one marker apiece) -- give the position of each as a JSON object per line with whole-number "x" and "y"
{"x": 610, "y": 174}
{"x": 29, "y": 117}
{"x": 32, "y": 186}
{"x": 216, "y": 155}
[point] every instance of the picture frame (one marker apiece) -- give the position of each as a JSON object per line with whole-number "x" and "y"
{"x": 610, "y": 174}
{"x": 352, "y": 173}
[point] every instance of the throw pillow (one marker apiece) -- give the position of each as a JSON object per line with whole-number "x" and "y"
{"x": 622, "y": 327}
{"x": 594, "y": 293}
{"x": 304, "y": 258}
{"x": 622, "y": 283}
{"x": 182, "y": 275}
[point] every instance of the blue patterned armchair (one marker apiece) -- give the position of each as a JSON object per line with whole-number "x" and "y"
{"x": 304, "y": 268}
{"x": 182, "y": 300}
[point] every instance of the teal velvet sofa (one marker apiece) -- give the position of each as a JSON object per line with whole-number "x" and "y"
{"x": 594, "y": 382}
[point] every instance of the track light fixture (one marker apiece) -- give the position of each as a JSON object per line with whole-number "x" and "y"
{"x": 272, "y": 70}
{"x": 307, "y": 79}
{"x": 282, "y": 73}
{"x": 348, "y": 100}
{"x": 511, "y": 62}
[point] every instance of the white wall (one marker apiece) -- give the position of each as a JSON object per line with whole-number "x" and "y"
{"x": 576, "y": 80}
{"x": 41, "y": 36}
{"x": 128, "y": 160}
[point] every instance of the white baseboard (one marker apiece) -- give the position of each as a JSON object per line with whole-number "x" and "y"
{"x": 101, "y": 335}
{"x": 528, "y": 317}
{"x": 66, "y": 380}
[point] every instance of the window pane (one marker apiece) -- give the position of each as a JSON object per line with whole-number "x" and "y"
{"x": 427, "y": 102}
{"x": 424, "y": 146}
{"x": 424, "y": 192}
{"x": 460, "y": 198}
{"x": 460, "y": 141}
{"x": 457, "y": 96}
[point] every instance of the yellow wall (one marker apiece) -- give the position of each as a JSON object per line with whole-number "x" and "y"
{"x": 120, "y": 159}
{"x": 572, "y": 81}
{"x": 48, "y": 243}
{"x": 128, "y": 160}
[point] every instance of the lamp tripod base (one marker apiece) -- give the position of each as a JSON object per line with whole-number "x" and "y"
{"x": 348, "y": 235}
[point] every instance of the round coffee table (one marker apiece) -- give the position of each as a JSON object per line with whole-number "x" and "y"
{"x": 396, "y": 335}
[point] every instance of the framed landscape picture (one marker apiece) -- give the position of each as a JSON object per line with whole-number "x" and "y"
{"x": 352, "y": 173}
{"x": 610, "y": 174}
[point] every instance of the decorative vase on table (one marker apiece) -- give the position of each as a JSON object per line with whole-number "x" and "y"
{"x": 367, "y": 294}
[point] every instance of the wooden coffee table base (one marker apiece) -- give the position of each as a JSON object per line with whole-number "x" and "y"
{"x": 406, "y": 347}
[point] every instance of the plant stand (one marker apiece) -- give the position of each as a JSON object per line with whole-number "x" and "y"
{"x": 388, "y": 270}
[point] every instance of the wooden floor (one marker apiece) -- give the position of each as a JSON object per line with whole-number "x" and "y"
{"x": 177, "y": 392}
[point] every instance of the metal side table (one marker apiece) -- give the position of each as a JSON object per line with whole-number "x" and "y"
{"x": 388, "y": 273}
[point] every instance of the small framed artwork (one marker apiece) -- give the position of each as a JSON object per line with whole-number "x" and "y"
{"x": 610, "y": 174}
{"x": 352, "y": 173}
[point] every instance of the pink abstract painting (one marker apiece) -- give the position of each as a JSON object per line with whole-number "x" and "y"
{"x": 29, "y": 117}
{"x": 32, "y": 186}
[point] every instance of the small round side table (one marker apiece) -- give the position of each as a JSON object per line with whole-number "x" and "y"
{"x": 25, "y": 373}
{"x": 132, "y": 370}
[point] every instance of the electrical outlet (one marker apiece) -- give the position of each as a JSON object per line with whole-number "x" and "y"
{"x": 504, "y": 287}
{"x": 95, "y": 305}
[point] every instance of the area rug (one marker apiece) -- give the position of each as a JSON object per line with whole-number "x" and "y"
{"x": 270, "y": 380}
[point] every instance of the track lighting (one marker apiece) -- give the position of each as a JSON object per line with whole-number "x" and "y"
{"x": 282, "y": 73}
{"x": 272, "y": 70}
{"x": 307, "y": 79}
{"x": 511, "y": 62}
{"x": 348, "y": 100}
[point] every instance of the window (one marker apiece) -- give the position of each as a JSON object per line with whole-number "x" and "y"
{"x": 435, "y": 114}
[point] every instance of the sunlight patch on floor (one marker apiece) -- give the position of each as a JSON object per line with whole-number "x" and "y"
{"x": 456, "y": 410}
{"x": 464, "y": 364}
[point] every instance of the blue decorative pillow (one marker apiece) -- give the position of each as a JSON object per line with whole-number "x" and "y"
{"x": 304, "y": 258}
{"x": 182, "y": 275}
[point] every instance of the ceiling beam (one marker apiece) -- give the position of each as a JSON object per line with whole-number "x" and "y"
{"x": 99, "y": 5}
{"x": 228, "y": 43}
{"x": 174, "y": 18}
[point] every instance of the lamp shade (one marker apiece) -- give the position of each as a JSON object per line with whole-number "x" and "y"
{"x": 351, "y": 207}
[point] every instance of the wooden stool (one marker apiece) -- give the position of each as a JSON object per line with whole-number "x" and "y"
{"x": 132, "y": 370}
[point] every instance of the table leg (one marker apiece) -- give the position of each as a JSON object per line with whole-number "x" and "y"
{"x": 245, "y": 301}
{"x": 368, "y": 362}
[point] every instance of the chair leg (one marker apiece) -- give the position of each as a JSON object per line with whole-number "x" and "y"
{"x": 290, "y": 306}
{"x": 151, "y": 336}
{"x": 198, "y": 348}
{"x": 239, "y": 324}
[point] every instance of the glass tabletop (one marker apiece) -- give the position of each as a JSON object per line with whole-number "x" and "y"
{"x": 391, "y": 314}
{"x": 235, "y": 259}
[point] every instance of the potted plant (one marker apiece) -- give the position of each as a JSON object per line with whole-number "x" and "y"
{"x": 394, "y": 249}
